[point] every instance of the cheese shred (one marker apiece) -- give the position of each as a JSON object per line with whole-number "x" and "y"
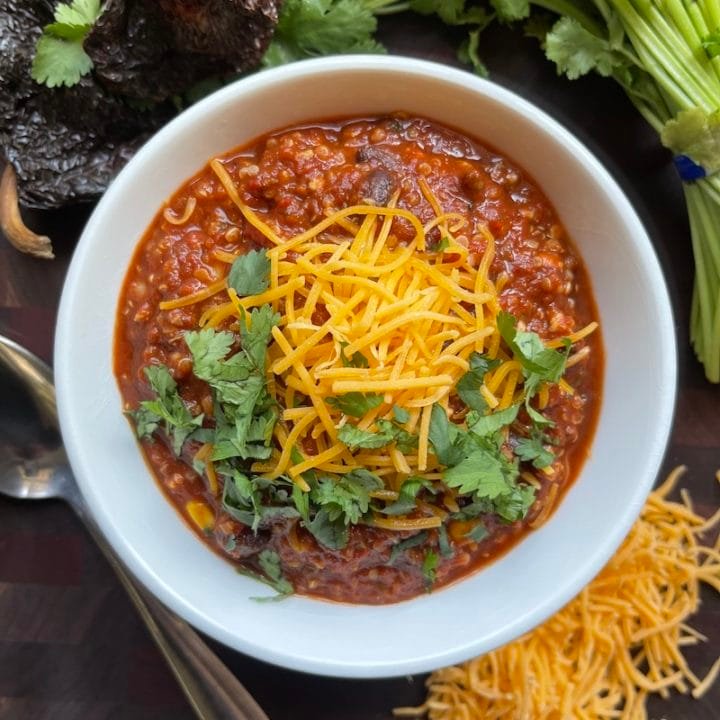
{"x": 619, "y": 641}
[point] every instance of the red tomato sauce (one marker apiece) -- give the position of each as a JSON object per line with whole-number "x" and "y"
{"x": 291, "y": 178}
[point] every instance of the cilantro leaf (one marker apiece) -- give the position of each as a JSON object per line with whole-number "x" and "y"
{"x": 355, "y": 437}
{"x": 346, "y": 497}
{"x": 358, "y": 360}
{"x": 486, "y": 425}
{"x": 307, "y": 28}
{"x": 78, "y": 12}
{"x": 429, "y": 568}
{"x": 355, "y": 404}
{"x": 468, "y": 387}
{"x": 270, "y": 564}
{"x": 529, "y": 350}
{"x": 514, "y": 505}
{"x": 243, "y": 435}
{"x": 166, "y": 409}
{"x": 451, "y": 12}
{"x": 511, "y": 10}
{"x": 483, "y": 473}
{"x": 477, "y": 533}
{"x": 59, "y": 55}
{"x": 332, "y": 534}
{"x": 406, "y": 442}
{"x": 208, "y": 347}
{"x": 448, "y": 440}
{"x": 407, "y": 497}
{"x": 539, "y": 363}
{"x": 532, "y": 450}
{"x": 250, "y": 273}
{"x": 408, "y": 543}
{"x": 576, "y": 51}
{"x": 256, "y": 337}
{"x": 386, "y": 433}
{"x": 59, "y": 62}
{"x": 301, "y": 500}
{"x": 243, "y": 499}
{"x": 444, "y": 542}
{"x": 400, "y": 414}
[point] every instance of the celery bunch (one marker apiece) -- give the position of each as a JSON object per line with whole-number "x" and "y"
{"x": 666, "y": 55}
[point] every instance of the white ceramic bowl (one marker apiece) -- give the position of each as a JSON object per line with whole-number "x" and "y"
{"x": 503, "y": 600}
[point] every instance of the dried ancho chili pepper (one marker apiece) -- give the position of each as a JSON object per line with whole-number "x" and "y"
{"x": 66, "y": 144}
{"x": 155, "y": 49}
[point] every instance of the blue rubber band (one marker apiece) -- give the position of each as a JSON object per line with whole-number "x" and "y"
{"x": 687, "y": 169}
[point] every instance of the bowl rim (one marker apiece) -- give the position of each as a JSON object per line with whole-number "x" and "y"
{"x": 553, "y": 599}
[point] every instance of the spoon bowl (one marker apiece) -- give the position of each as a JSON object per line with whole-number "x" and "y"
{"x": 33, "y": 466}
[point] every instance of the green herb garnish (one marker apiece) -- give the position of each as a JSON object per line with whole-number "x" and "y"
{"x": 167, "y": 410}
{"x": 249, "y": 273}
{"x": 59, "y": 55}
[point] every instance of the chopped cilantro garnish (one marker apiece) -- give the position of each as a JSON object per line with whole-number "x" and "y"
{"x": 468, "y": 387}
{"x": 484, "y": 473}
{"x": 477, "y": 533}
{"x": 448, "y": 440}
{"x": 387, "y": 432}
{"x": 407, "y": 497}
{"x": 355, "y": 404}
{"x": 245, "y": 415}
{"x": 59, "y": 55}
{"x": 429, "y": 568}
{"x": 539, "y": 363}
{"x": 400, "y": 414}
{"x": 332, "y": 534}
{"x": 243, "y": 499}
{"x": 355, "y": 437}
{"x": 167, "y": 410}
{"x": 404, "y": 545}
{"x": 444, "y": 542}
{"x": 532, "y": 450}
{"x": 342, "y": 501}
{"x": 358, "y": 360}
{"x": 486, "y": 425}
{"x": 250, "y": 273}
{"x": 270, "y": 563}
{"x": 514, "y": 505}
{"x": 230, "y": 544}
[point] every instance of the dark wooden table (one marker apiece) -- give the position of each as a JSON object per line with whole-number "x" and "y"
{"x": 70, "y": 643}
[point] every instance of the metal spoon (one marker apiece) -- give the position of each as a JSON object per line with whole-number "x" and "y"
{"x": 33, "y": 466}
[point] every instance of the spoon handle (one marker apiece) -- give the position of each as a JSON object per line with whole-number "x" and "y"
{"x": 212, "y": 690}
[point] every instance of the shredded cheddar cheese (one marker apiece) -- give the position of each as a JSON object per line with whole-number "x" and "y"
{"x": 347, "y": 288}
{"x": 616, "y": 643}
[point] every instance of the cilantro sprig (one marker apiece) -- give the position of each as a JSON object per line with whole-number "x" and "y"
{"x": 167, "y": 410}
{"x": 59, "y": 55}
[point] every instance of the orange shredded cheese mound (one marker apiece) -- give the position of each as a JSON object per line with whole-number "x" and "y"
{"x": 347, "y": 287}
{"x": 615, "y": 644}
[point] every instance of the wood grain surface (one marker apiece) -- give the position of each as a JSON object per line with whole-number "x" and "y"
{"x": 71, "y": 646}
